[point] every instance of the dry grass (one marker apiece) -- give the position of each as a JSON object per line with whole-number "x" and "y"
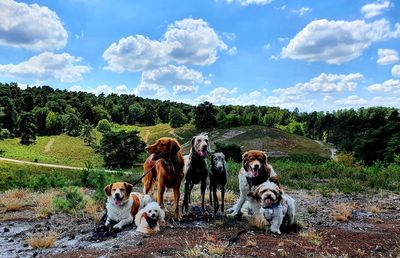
{"x": 194, "y": 251}
{"x": 230, "y": 196}
{"x": 374, "y": 209}
{"x": 251, "y": 243}
{"x": 14, "y": 200}
{"x": 312, "y": 237}
{"x": 257, "y": 221}
{"x": 42, "y": 240}
{"x": 44, "y": 204}
{"x": 215, "y": 249}
{"x": 210, "y": 238}
{"x": 343, "y": 211}
{"x": 94, "y": 209}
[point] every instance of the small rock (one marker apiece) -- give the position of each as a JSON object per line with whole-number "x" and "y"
{"x": 140, "y": 243}
{"x": 63, "y": 246}
{"x": 81, "y": 247}
{"x": 35, "y": 254}
{"x": 25, "y": 245}
{"x": 72, "y": 236}
{"x": 378, "y": 248}
{"x": 10, "y": 240}
{"x": 116, "y": 246}
{"x": 6, "y": 230}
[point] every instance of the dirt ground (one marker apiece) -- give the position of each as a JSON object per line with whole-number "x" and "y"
{"x": 372, "y": 229}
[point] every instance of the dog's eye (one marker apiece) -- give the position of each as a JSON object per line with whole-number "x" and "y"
{"x": 155, "y": 210}
{"x": 122, "y": 189}
{"x": 206, "y": 140}
{"x": 113, "y": 189}
{"x": 161, "y": 145}
{"x": 149, "y": 210}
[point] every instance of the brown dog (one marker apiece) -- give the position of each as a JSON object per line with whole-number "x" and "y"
{"x": 166, "y": 165}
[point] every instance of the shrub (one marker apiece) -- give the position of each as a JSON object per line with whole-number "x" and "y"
{"x": 42, "y": 240}
{"x": 231, "y": 151}
{"x": 103, "y": 126}
{"x": 72, "y": 202}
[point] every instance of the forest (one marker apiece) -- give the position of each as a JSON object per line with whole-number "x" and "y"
{"x": 370, "y": 134}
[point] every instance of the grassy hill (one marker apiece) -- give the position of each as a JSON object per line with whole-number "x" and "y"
{"x": 71, "y": 151}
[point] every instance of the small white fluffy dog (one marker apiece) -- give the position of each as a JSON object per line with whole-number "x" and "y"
{"x": 123, "y": 204}
{"x": 149, "y": 218}
{"x": 274, "y": 205}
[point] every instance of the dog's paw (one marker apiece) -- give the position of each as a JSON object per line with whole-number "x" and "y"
{"x": 117, "y": 226}
{"x": 107, "y": 223}
{"x": 274, "y": 231}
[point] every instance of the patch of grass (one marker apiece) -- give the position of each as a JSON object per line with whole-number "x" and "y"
{"x": 44, "y": 203}
{"x": 215, "y": 249}
{"x": 312, "y": 237}
{"x": 251, "y": 243}
{"x": 189, "y": 251}
{"x": 343, "y": 211}
{"x": 71, "y": 201}
{"x": 374, "y": 209}
{"x": 94, "y": 209}
{"x": 257, "y": 221}
{"x": 65, "y": 150}
{"x": 42, "y": 240}
{"x": 14, "y": 200}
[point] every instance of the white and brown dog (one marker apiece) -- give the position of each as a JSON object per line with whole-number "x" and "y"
{"x": 123, "y": 204}
{"x": 254, "y": 172}
{"x": 149, "y": 218}
{"x": 277, "y": 207}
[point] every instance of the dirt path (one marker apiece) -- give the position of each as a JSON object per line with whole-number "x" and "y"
{"x": 22, "y": 162}
{"x": 47, "y": 148}
{"x": 146, "y": 136}
{"x": 331, "y": 149}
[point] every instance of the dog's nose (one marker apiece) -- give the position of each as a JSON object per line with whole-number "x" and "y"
{"x": 204, "y": 148}
{"x": 117, "y": 195}
{"x": 256, "y": 166}
{"x": 153, "y": 215}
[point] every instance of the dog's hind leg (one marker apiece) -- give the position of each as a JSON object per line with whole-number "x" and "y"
{"x": 203, "y": 192}
{"x": 223, "y": 198}
{"x": 176, "y": 202}
{"x": 185, "y": 204}
{"x": 216, "y": 204}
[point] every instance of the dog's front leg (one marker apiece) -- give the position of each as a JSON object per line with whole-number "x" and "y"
{"x": 177, "y": 195}
{"x": 277, "y": 220}
{"x": 211, "y": 191}
{"x": 223, "y": 198}
{"x": 107, "y": 222}
{"x": 203, "y": 192}
{"x": 216, "y": 204}
{"x": 160, "y": 197}
{"x": 185, "y": 204}
{"x": 239, "y": 205}
{"x": 123, "y": 222}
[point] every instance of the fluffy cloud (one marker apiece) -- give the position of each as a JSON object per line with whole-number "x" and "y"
{"x": 387, "y": 56}
{"x": 336, "y": 42}
{"x": 386, "y": 101}
{"x": 250, "y": 2}
{"x": 154, "y": 91}
{"x": 302, "y": 11}
{"x": 351, "y": 101}
{"x": 102, "y": 89}
{"x": 324, "y": 83}
{"x": 31, "y": 27}
{"x": 187, "y": 41}
{"x": 172, "y": 75}
{"x": 374, "y": 9}
{"x": 232, "y": 51}
{"x": 396, "y": 71}
{"x": 184, "y": 89}
{"x": 387, "y": 86}
{"x": 47, "y": 66}
{"x": 219, "y": 95}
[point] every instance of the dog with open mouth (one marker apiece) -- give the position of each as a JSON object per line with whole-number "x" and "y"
{"x": 149, "y": 218}
{"x": 255, "y": 171}
{"x": 277, "y": 207}
{"x": 123, "y": 204}
{"x": 196, "y": 169}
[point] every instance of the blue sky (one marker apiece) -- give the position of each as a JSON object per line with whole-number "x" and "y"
{"x": 314, "y": 55}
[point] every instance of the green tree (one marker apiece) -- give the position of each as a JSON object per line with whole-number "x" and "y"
{"x": 121, "y": 149}
{"x": 54, "y": 124}
{"x": 205, "y": 116}
{"x": 87, "y": 133}
{"x": 73, "y": 125}
{"x": 27, "y": 128}
{"x": 40, "y": 114}
{"x": 136, "y": 112}
{"x": 103, "y": 126}
{"x": 177, "y": 118}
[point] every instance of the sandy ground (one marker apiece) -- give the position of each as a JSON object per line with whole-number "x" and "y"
{"x": 373, "y": 230}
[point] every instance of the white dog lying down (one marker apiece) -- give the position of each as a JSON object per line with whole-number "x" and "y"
{"x": 276, "y": 207}
{"x": 148, "y": 219}
{"x": 123, "y": 204}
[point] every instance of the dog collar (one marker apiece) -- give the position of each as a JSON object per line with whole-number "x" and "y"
{"x": 274, "y": 206}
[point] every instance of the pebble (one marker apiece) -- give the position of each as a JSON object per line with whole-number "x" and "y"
{"x": 6, "y": 230}
{"x": 140, "y": 243}
{"x": 116, "y": 246}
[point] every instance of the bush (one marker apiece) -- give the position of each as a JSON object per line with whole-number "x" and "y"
{"x": 72, "y": 202}
{"x": 231, "y": 151}
{"x": 303, "y": 158}
{"x": 103, "y": 126}
{"x": 121, "y": 149}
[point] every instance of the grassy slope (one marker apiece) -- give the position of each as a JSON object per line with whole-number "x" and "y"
{"x": 71, "y": 151}
{"x": 65, "y": 150}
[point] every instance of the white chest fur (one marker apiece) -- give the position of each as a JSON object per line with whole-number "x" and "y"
{"x": 118, "y": 213}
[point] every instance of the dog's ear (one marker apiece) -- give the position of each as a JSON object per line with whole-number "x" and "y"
{"x": 275, "y": 180}
{"x": 265, "y": 157}
{"x": 128, "y": 188}
{"x": 255, "y": 194}
{"x": 212, "y": 157}
{"x": 107, "y": 189}
{"x": 162, "y": 215}
{"x": 174, "y": 147}
{"x": 244, "y": 159}
{"x": 193, "y": 139}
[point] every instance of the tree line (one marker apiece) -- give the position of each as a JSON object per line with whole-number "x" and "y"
{"x": 370, "y": 133}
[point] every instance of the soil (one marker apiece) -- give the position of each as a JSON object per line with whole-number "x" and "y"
{"x": 372, "y": 230}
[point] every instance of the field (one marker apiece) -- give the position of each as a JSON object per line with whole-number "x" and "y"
{"x": 342, "y": 209}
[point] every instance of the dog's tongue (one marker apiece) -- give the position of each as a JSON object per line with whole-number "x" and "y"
{"x": 117, "y": 202}
{"x": 267, "y": 202}
{"x": 202, "y": 153}
{"x": 255, "y": 172}
{"x": 151, "y": 157}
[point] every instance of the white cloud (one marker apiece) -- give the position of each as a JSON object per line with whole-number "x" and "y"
{"x": 267, "y": 46}
{"x": 327, "y": 98}
{"x": 187, "y": 41}
{"x": 122, "y": 89}
{"x": 250, "y": 2}
{"x": 47, "y": 66}
{"x": 232, "y": 51}
{"x": 105, "y": 89}
{"x": 273, "y": 58}
{"x": 31, "y": 27}
{"x": 154, "y": 91}
{"x": 387, "y": 86}
{"x": 386, "y": 101}
{"x": 185, "y": 89}
{"x": 351, "y": 101}
{"x": 172, "y": 75}
{"x": 374, "y": 9}
{"x": 282, "y": 39}
{"x": 255, "y": 94}
{"x": 336, "y": 42}
{"x": 219, "y": 95}
{"x": 76, "y": 88}
{"x": 302, "y": 11}
{"x": 230, "y": 36}
{"x": 324, "y": 83}
{"x": 396, "y": 71}
{"x": 387, "y": 56}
